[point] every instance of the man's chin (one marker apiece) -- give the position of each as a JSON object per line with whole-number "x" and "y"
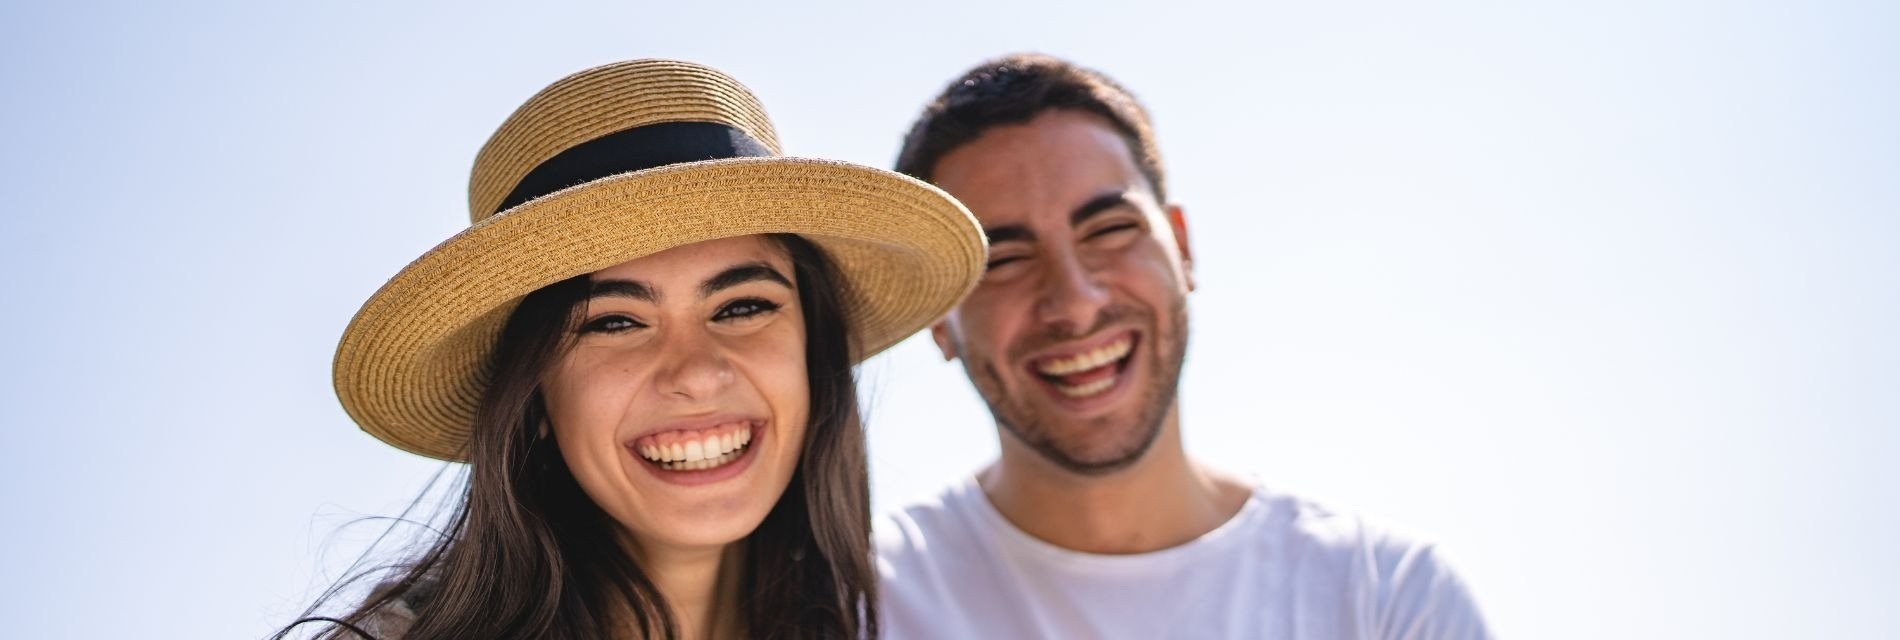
{"x": 1096, "y": 446}
{"x": 1095, "y": 435}
{"x": 1095, "y": 463}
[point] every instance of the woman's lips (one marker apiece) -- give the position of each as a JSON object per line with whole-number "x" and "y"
{"x": 694, "y": 449}
{"x": 700, "y": 456}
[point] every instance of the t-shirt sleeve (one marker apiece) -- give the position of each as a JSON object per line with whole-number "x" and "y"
{"x": 1421, "y": 598}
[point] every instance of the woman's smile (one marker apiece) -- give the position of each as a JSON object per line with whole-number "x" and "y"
{"x": 694, "y": 456}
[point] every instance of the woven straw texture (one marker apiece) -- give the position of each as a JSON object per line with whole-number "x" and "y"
{"x": 603, "y": 100}
{"x": 412, "y": 365}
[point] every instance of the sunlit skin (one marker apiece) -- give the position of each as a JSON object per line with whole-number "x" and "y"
{"x": 703, "y": 334}
{"x": 1082, "y": 258}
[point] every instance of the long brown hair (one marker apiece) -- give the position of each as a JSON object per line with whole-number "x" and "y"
{"x": 526, "y": 554}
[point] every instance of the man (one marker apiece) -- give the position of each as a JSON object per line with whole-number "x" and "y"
{"x": 1094, "y": 523}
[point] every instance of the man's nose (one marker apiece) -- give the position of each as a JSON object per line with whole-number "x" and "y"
{"x": 1072, "y": 295}
{"x": 692, "y": 367}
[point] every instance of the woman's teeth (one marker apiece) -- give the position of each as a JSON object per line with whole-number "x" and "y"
{"x": 697, "y": 453}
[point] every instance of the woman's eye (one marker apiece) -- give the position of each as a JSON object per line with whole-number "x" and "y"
{"x": 744, "y": 308}
{"x": 611, "y": 324}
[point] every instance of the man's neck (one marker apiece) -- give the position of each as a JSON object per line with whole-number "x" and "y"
{"x": 1162, "y": 500}
{"x": 697, "y": 584}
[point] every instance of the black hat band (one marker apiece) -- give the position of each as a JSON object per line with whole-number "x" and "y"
{"x": 654, "y": 145}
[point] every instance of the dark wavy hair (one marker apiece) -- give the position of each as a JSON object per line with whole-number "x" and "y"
{"x": 1014, "y": 89}
{"x": 526, "y": 554}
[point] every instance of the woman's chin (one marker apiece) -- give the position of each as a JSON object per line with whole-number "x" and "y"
{"x": 699, "y": 531}
{"x": 702, "y": 516}
{"x": 694, "y": 505}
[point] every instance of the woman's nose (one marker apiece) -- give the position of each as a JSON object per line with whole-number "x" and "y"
{"x": 692, "y": 367}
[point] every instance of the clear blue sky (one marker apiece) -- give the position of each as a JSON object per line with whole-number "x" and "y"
{"x": 1600, "y": 296}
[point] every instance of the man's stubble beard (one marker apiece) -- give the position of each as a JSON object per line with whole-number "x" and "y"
{"x": 1022, "y": 423}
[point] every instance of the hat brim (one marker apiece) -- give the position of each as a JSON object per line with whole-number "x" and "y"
{"x": 412, "y": 364}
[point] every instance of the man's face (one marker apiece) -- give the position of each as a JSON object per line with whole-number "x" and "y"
{"x": 1076, "y": 334}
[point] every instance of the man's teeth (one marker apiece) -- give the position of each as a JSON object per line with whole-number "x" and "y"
{"x": 1083, "y": 362}
{"x": 1087, "y": 389}
{"x": 698, "y": 453}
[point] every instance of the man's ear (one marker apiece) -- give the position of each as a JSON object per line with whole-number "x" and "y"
{"x": 1178, "y": 220}
{"x": 940, "y": 333}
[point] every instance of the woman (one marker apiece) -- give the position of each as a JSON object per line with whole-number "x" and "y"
{"x": 644, "y": 356}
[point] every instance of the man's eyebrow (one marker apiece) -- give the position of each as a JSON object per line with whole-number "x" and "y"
{"x": 1095, "y": 206}
{"x": 1009, "y": 232}
{"x": 1099, "y": 204}
{"x": 735, "y": 276}
{"x": 622, "y": 289}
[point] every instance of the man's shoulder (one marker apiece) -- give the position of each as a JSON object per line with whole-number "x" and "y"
{"x": 1315, "y": 529}
{"x": 941, "y": 521}
{"x": 1398, "y": 572}
{"x": 934, "y": 556}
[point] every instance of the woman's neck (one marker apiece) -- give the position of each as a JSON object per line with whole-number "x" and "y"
{"x": 700, "y": 586}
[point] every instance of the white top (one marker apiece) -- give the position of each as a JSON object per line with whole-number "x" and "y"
{"x": 1282, "y": 567}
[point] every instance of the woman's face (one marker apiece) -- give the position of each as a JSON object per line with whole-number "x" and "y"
{"x": 681, "y": 406}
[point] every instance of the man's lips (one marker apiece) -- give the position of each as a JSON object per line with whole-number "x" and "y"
{"x": 1088, "y": 369}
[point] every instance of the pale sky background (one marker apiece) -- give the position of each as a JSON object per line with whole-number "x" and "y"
{"x": 1600, "y": 296}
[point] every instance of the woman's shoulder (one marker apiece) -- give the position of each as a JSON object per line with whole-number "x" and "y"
{"x": 398, "y": 611}
{"x": 390, "y": 621}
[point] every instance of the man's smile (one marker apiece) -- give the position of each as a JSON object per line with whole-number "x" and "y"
{"x": 1087, "y": 370}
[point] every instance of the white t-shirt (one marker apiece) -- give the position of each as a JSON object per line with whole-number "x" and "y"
{"x": 1280, "y": 568}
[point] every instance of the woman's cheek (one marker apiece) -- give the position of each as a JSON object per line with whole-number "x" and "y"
{"x": 587, "y": 390}
{"x": 776, "y": 357}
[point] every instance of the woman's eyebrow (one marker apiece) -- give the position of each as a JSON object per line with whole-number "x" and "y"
{"x": 741, "y": 274}
{"x": 622, "y": 289}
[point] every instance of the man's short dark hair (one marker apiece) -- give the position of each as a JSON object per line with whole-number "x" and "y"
{"x": 1014, "y": 89}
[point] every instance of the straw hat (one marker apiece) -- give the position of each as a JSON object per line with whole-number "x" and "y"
{"x": 611, "y": 164}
